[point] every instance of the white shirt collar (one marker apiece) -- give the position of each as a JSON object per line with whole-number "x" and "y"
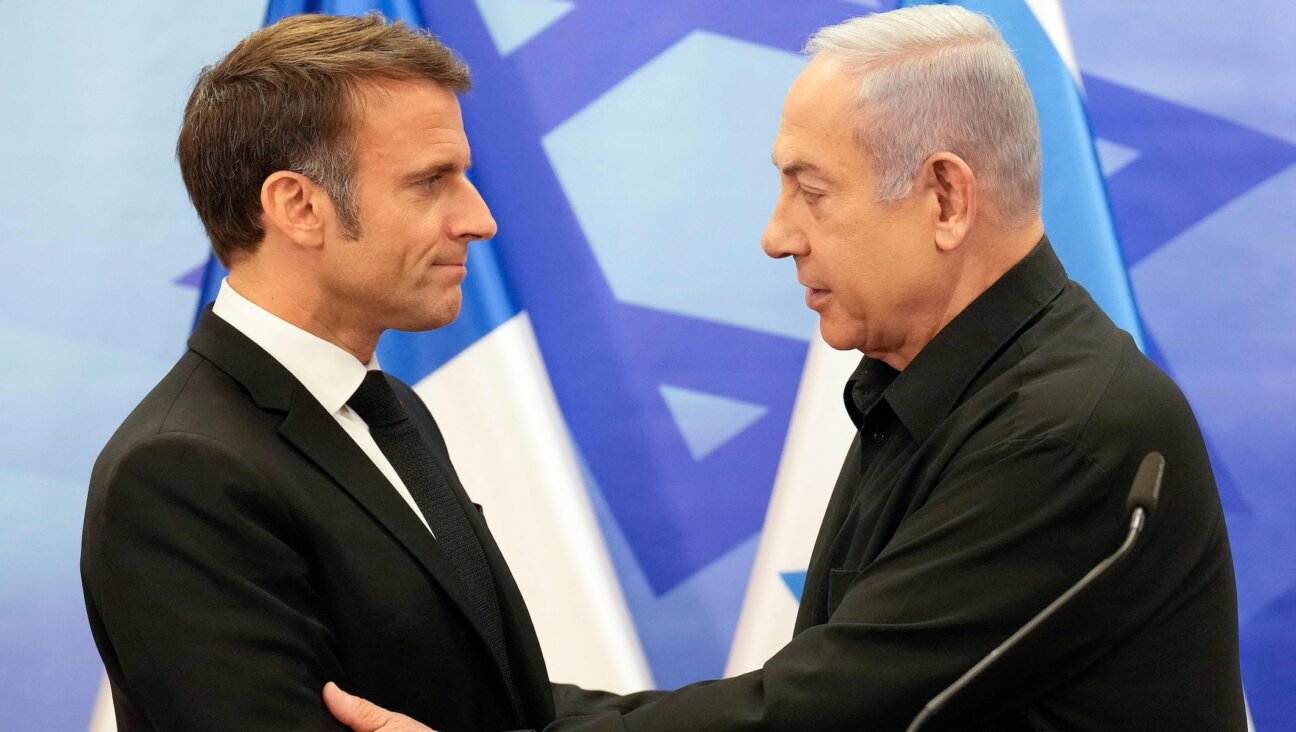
{"x": 328, "y": 372}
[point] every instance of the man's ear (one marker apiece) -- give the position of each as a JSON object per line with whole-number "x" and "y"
{"x": 293, "y": 205}
{"x": 953, "y": 187}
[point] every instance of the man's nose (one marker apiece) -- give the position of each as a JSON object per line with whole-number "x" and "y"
{"x": 477, "y": 222}
{"x": 778, "y": 240}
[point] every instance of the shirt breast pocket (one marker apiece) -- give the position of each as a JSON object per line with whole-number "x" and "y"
{"x": 839, "y": 582}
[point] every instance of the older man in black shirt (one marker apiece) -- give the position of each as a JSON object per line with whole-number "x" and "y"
{"x": 1001, "y": 415}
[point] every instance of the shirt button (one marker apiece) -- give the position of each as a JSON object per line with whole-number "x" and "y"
{"x": 878, "y": 435}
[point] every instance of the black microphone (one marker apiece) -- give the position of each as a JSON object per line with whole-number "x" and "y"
{"x": 1141, "y": 502}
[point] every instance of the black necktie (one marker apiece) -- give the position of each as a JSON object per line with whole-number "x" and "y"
{"x": 399, "y": 440}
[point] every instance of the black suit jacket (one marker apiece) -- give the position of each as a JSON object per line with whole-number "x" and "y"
{"x": 240, "y": 550}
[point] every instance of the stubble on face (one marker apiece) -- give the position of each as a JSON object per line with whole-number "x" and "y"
{"x": 418, "y": 212}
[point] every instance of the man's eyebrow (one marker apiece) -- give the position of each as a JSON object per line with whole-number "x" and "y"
{"x": 797, "y": 167}
{"x": 438, "y": 169}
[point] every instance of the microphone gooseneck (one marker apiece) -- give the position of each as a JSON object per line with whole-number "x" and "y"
{"x": 1143, "y": 495}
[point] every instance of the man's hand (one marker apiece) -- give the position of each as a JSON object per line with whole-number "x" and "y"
{"x": 362, "y": 715}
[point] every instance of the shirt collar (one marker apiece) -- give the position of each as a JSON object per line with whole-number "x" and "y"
{"x": 328, "y": 372}
{"x": 865, "y": 387}
{"x": 929, "y": 388}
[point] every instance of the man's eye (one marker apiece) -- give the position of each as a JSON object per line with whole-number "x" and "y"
{"x": 811, "y": 196}
{"x": 431, "y": 181}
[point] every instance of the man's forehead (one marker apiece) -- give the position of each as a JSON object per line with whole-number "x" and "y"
{"x": 412, "y": 119}
{"x": 819, "y": 105}
{"x": 407, "y": 105}
{"x": 822, "y": 82}
{"x": 815, "y": 145}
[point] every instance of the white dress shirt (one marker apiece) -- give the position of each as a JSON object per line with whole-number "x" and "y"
{"x": 328, "y": 372}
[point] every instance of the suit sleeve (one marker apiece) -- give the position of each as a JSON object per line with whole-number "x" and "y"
{"x": 1001, "y": 535}
{"x": 205, "y": 602}
{"x": 573, "y": 701}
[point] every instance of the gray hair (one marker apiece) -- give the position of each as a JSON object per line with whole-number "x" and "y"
{"x": 939, "y": 78}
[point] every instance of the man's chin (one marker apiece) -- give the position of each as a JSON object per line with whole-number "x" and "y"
{"x": 837, "y": 338}
{"x": 424, "y": 322}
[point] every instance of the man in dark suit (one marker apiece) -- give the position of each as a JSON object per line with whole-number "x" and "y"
{"x": 1001, "y": 418}
{"x": 278, "y": 513}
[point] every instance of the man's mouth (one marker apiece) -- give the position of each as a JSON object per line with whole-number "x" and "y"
{"x": 815, "y": 297}
{"x": 454, "y": 268}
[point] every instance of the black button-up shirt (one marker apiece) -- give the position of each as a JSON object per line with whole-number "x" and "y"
{"x": 985, "y": 480}
{"x": 989, "y": 476}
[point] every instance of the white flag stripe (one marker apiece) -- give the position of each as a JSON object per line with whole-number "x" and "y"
{"x": 1050, "y": 17}
{"x": 101, "y": 717}
{"x": 819, "y": 435}
{"x": 509, "y": 444}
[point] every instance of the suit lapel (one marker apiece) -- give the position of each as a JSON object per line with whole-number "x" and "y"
{"x": 323, "y": 441}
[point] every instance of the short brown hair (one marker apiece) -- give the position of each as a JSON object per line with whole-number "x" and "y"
{"x": 282, "y": 99}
